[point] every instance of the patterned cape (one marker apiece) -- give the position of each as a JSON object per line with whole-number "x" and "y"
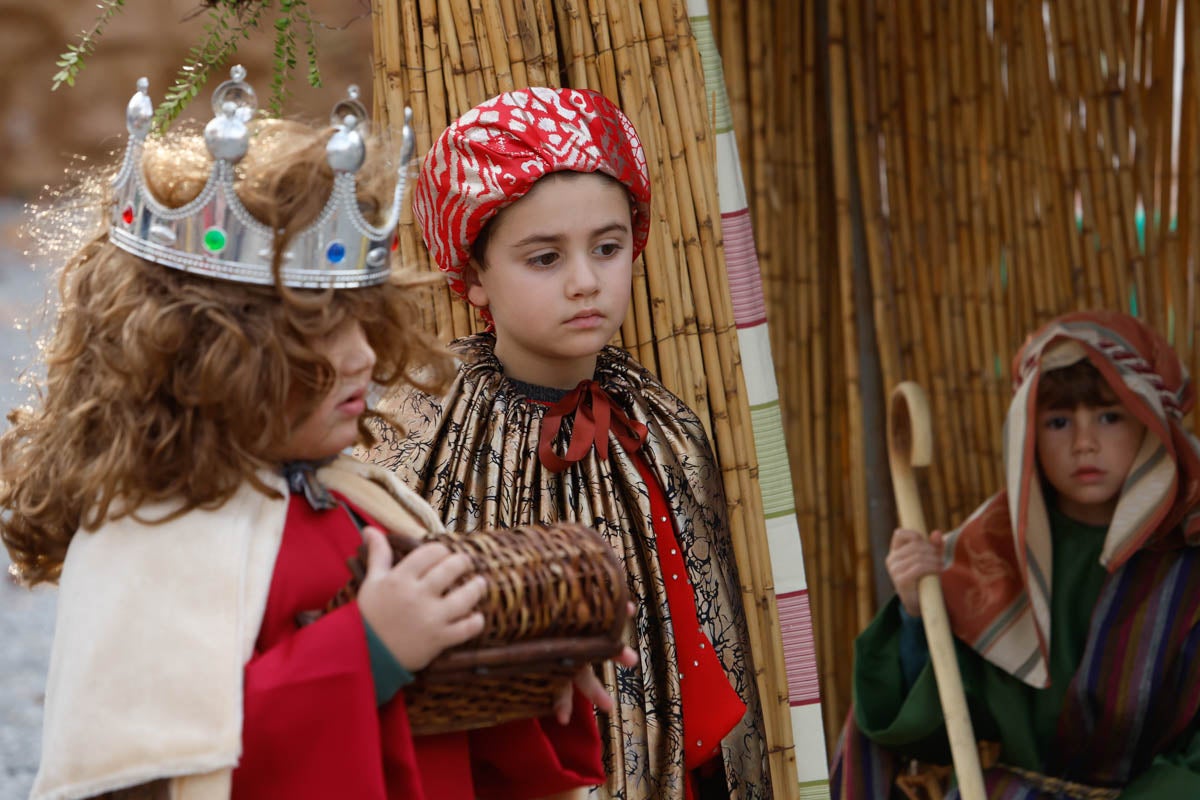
{"x": 1137, "y": 688}
{"x": 473, "y": 455}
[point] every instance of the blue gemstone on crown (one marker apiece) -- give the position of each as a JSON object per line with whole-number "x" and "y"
{"x": 216, "y": 236}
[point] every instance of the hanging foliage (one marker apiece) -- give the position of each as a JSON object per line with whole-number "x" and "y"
{"x": 229, "y": 23}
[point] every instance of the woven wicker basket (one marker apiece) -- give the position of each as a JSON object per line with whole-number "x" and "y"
{"x": 556, "y": 600}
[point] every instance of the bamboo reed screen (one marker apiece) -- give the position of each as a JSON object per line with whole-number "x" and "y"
{"x": 929, "y": 182}
{"x": 441, "y": 57}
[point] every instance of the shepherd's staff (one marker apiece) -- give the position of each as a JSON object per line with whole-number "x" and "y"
{"x": 910, "y": 444}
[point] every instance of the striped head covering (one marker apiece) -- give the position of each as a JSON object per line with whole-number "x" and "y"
{"x": 997, "y": 578}
{"x": 492, "y": 155}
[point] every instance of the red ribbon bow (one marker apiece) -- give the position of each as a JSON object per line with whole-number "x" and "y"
{"x": 595, "y": 416}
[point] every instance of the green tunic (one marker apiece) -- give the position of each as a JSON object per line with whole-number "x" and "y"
{"x": 1022, "y": 718}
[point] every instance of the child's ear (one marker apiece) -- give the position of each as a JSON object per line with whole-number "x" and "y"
{"x": 476, "y": 294}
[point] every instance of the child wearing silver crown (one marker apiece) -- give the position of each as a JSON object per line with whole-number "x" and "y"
{"x": 211, "y": 359}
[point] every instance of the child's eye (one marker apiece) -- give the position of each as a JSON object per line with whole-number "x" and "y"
{"x": 1055, "y": 423}
{"x": 1111, "y": 417}
{"x": 543, "y": 259}
{"x": 608, "y": 249}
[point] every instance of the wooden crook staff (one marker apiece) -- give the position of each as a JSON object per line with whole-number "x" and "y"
{"x": 910, "y": 444}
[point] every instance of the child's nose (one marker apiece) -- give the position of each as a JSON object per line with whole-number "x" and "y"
{"x": 1085, "y": 437}
{"x": 582, "y": 280}
{"x": 360, "y": 355}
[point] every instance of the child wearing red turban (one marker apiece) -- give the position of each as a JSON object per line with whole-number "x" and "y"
{"x": 535, "y": 204}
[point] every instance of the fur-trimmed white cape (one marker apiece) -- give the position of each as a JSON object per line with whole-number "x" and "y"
{"x": 155, "y": 625}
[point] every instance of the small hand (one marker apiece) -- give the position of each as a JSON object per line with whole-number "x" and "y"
{"x": 590, "y": 686}
{"x": 910, "y": 558}
{"x": 414, "y": 606}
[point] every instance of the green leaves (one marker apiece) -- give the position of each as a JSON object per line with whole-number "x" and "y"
{"x": 293, "y": 14}
{"x": 310, "y": 42}
{"x": 230, "y": 22}
{"x": 71, "y": 62}
{"x": 285, "y": 55}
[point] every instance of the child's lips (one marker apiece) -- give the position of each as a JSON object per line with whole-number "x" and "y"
{"x": 1088, "y": 474}
{"x": 586, "y": 319}
{"x": 354, "y": 405}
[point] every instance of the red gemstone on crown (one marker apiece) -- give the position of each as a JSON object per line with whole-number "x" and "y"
{"x": 127, "y": 215}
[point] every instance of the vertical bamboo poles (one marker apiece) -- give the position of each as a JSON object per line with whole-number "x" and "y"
{"x": 847, "y": 334}
{"x": 1003, "y": 151}
{"x": 1189, "y": 198}
{"x": 979, "y": 227}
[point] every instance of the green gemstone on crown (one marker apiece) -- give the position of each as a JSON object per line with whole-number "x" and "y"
{"x": 214, "y": 240}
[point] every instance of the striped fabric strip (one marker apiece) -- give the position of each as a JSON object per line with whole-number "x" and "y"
{"x": 814, "y": 790}
{"x": 714, "y": 74}
{"x": 799, "y": 652}
{"x": 774, "y": 476}
{"x": 741, "y": 262}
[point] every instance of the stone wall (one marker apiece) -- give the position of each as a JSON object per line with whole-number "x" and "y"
{"x": 40, "y": 130}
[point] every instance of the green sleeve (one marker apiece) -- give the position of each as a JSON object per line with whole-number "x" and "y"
{"x": 908, "y": 720}
{"x": 1170, "y": 776}
{"x": 389, "y": 676}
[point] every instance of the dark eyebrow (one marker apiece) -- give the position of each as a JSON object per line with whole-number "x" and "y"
{"x": 549, "y": 238}
{"x": 614, "y": 227}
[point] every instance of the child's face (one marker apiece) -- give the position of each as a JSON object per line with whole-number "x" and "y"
{"x": 1086, "y": 453}
{"x": 557, "y": 277}
{"x": 333, "y": 424}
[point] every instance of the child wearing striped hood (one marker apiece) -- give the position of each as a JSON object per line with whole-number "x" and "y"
{"x": 1074, "y": 594}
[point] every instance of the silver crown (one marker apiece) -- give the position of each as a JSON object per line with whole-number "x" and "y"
{"x": 214, "y": 235}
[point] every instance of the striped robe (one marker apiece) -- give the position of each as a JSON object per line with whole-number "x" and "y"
{"x": 1135, "y": 696}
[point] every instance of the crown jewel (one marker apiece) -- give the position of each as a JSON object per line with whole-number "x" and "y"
{"x": 214, "y": 235}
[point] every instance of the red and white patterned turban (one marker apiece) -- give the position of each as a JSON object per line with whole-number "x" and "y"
{"x": 493, "y": 154}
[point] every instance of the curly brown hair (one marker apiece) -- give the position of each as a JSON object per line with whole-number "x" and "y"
{"x": 165, "y": 386}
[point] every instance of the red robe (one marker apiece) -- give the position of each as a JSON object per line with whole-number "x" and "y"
{"x": 711, "y": 707}
{"x": 311, "y": 727}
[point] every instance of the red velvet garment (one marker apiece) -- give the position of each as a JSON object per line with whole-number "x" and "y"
{"x": 311, "y": 727}
{"x": 711, "y": 707}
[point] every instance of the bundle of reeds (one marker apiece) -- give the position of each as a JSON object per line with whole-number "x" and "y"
{"x": 930, "y": 183}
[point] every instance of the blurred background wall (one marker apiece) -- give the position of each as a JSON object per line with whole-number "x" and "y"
{"x": 40, "y": 129}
